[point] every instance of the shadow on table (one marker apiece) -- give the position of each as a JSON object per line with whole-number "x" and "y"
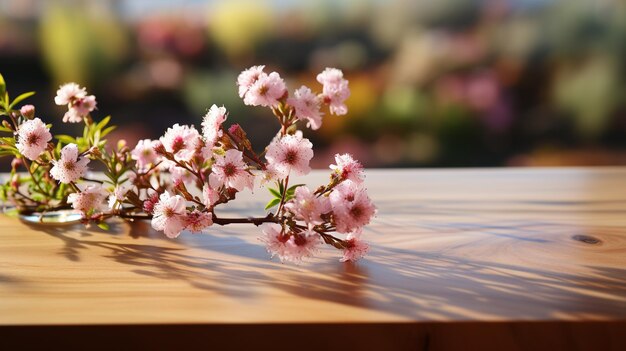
{"x": 404, "y": 282}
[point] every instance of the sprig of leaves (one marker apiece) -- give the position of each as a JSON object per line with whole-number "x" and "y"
{"x": 280, "y": 194}
{"x": 93, "y": 135}
{"x": 7, "y": 144}
{"x": 5, "y": 102}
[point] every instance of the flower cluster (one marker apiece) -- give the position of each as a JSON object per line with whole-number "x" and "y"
{"x": 79, "y": 104}
{"x": 178, "y": 180}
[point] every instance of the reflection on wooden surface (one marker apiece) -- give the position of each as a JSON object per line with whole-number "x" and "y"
{"x": 470, "y": 245}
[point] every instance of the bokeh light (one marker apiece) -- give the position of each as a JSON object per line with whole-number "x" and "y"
{"x": 434, "y": 83}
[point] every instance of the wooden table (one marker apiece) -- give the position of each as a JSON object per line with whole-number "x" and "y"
{"x": 490, "y": 258}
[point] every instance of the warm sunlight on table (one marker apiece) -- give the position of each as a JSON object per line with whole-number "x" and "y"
{"x": 448, "y": 246}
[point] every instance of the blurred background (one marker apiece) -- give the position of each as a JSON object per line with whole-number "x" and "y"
{"x": 446, "y": 83}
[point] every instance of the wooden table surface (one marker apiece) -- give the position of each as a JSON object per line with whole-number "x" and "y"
{"x": 478, "y": 247}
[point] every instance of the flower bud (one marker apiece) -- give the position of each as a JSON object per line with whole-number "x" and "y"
{"x": 123, "y": 151}
{"x": 159, "y": 148}
{"x": 16, "y": 162}
{"x": 148, "y": 205}
{"x": 15, "y": 182}
{"x": 95, "y": 151}
{"x": 235, "y": 129}
{"x": 28, "y": 111}
{"x": 240, "y": 135}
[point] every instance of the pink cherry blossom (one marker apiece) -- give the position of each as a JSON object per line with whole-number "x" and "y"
{"x": 289, "y": 247}
{"x": 70, "y": 167}
{"x": 212, "y": 124}
{"x": 84, "y": 105}
{"x": 72, "y": 116}
{"x": 335, "y": 90}
{"x": 91, "y": 198}
{"x": 348, "y": 168}
{"x": 118, "y": 195}
{"x": 79, "y": 104}
{"x": 209, "y": 195}
{"x": 33, "y": 138}
{"x": 182, "y": 141}
{"x": 307, "y": 107}
{"x": 308, "y": 207}
{"x": 205, "y": 153}
{"x": 266, "y": 91}
{"x": 290, "y": 153}
{"x": 28, "y": 111}
{"x": 247, "y": 78}
{"x": 356, "y": 249}
{"x": 180, "y": 174}
{"x": 69, "y": 92}
{"x": 169, "y": 214}
{"x": 268, "y": 175}
{"x": 144, "y": 154}
{"x": 305, "y": 244}
{"x": 196, "y": 220}
{"x": 275, "y": 239}
{"x": 231, "y": 171}
{"x": 352, "y": 207}
{"x": 330, "y": 76}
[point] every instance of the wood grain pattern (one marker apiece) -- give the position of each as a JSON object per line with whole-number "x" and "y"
{"x": 448, "y": 246}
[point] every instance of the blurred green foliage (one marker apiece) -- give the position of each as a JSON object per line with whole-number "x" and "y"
{"x": 434, "y": 83}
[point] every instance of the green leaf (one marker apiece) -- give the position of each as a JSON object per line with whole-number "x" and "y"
{"x": 103, "y": 123}
{"x": 107, "y": 131}
{"x": 96, "y": 137}
{"x": 83, "y": 144}
{"x": 274, "y": 192}
{"x": 7, "y": 141}
{"x": 66, "y": 139}
{"x": 272, "y": 203}
{"x": 3, "y": 86}
{"x": 20, "y": 98}
{"x": 7, "y": 152}
{"x": 281, "y": 187}
{"x": 103, "y": 226}
{"x": 61, "y": 190}
{"x": 292, "y": 189}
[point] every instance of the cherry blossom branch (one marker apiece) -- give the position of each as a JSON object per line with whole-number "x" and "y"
{"x": 37, "y": 184}
{"x": 247, "y": 220}
{"x": 216, "y": 220}
{"x": 219, "y": 161}
{"x": 92, "y": 180}
{"x": 18, "y": 192}
{"x": 246, "y": 152}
